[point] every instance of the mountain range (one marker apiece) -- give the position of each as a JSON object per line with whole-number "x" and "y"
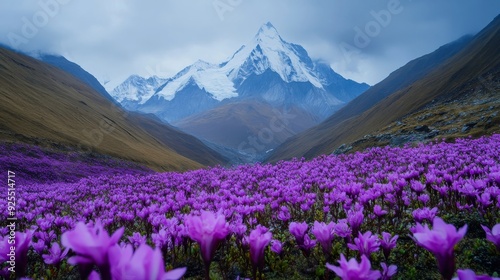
{"x": 267, "y": 74}
{"x": 268, "y": 69}
{"x": 269, "y": 101}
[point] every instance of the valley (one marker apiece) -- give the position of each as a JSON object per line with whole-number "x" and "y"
{"x": 268, "y": 162}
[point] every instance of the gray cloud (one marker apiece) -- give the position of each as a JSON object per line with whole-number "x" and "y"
{"x": 113, "y": 39}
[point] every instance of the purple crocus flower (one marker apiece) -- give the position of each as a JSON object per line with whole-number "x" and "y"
{"x": 276, "y": 246}
{"x": 258, "y": 241}
{"x": 307, "y": 245}
{"x": 365, "y": 243}
{"x": 91, "y": 244}
{"x": 39, "y": 246}
{"x": 493, "y": 235}
{"x": 55, "y": 254}
{"x": 239, "y": 229}
{"x": 424, "y": 198}
{"x": 388, "y": 243}
{"x": 298, "y": 231}
{"x": 424, "y": 214}
{"x": 119, "y": 258}
{"x": 342, "y": 229}
{"x": 22, "y": 241}
{"x": 388, "y": 271}
{"x": 144, "y": 263}
{"x": 378, "y": 211}
{"x": 352, "y": 270}
{"x": 484, "y": 200}
{"x": 147, "y": 263}
{"x": 467, "y": 274}
{"x": 417, "y": 187}
{"x": 324, "y": 235}
{"x": 208, "y": 230}
{"x": 355, "y": 219}
{"x": 162, "y": 239}
{"x": 137, "y": 239}
{"x": 440, "y": 241}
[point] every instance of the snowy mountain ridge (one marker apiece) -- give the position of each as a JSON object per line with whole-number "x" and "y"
{"x": 267, "y": 68}
{"x": 269, "y": 51}
{"x": 137, "y": 89}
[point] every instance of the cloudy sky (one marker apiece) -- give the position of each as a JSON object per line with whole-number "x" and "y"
{"x": 362, "y": 40}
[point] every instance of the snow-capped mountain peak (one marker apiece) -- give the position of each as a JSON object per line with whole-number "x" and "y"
{"x": 269, "y": 51}
{"x": 206, "y": 76}
{"x": 268, "y": 69}
{"x": 267, "y": 32}
{"x": 137, "y": 89}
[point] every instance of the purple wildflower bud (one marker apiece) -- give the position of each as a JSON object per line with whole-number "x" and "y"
{"x": 493, "y": 235}
{"x": 252, "y": 221}
{"x": 39, "y": 246}
{"x": 55, "y": 254}
{"x": 91, "y": 244}
{"x": 424, "y": 198}
{"x": 208, "y": 230}
{"x": 144, "y": 263}
{"x": 355, "y": 219}
{"x": 349, "y": 270}
{"x": 307, "y": 245}
{"x": 324, "y": 235}
{"x": 298, "y": 231}
{"x": 161, "y": 239}
{"x": 440, "y": 241}
{"x": 342, "y": 229}
{"x": 137, "y": 239}
{"x": 284, "y": 215}
{"x": 388, "y": 243}
{"x": 365, "y": 243}
{"x": 258, "y": 241}
{"x": 495, "y": 177}
{"x": 461, "y": 207}
{"x": 484, "y": 200}
{"x": 417, "y": 187}
{"x": 377, "y": 210}
{"x": 424, "y": 214}
{"x": 47, "y": 236}
{"x": 388, "y": 271}
{"x": 244, "y": 242}
{"x": 44, "y": 224}
{"x": 239, "y": 229}
{"x": 276, "y": 246}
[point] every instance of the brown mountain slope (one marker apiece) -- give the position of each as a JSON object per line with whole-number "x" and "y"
{"x": 41, "y": 102}
{"x": 234, "y": 125}
{"x": 181, "y": 142}
{"x": 479, "y": 57}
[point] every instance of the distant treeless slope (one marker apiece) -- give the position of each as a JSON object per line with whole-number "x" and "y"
{"x": 42, "y": 102}
{"x": 181, "y": 142}
{"x": 373, "y": 110}
{"x": 233, "y": 125}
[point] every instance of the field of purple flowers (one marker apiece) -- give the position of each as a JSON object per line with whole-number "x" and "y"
{"x": 62, "y": 165}
{"x": 424, "y": 212}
